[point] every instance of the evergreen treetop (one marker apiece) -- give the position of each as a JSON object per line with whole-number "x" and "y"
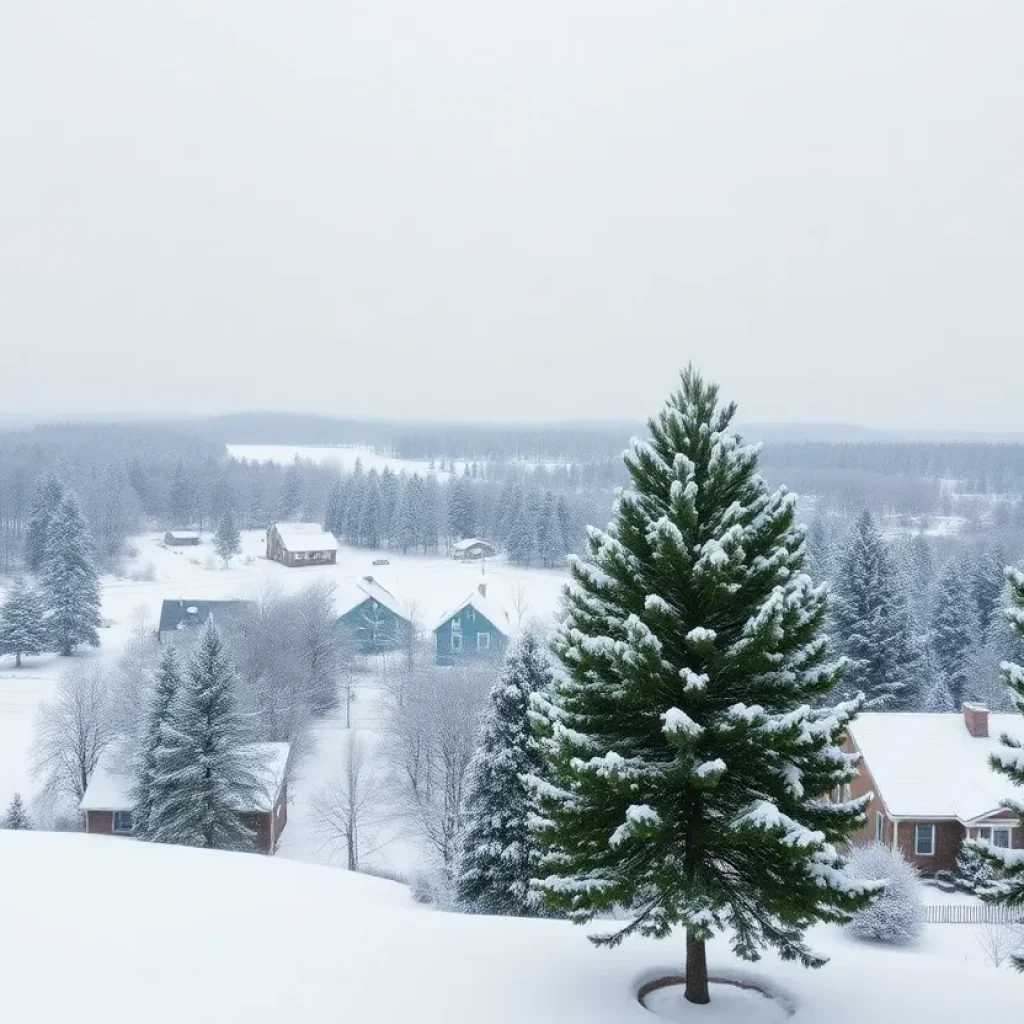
{"x": 689, "y": 735}
{"x": 47, "y": 497}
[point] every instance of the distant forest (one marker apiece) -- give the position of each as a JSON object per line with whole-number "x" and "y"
{"x": 135, "y": 476}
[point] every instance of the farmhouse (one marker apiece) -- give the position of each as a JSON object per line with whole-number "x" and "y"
{"x": 476, "y": 629}
{"x": 375, "y": 621}
{"x": 181, "y": 615}
{"x": 107, "y": 802}
{"x": 472, "y": 549}
{"x": 295, "y": 544}
{"x": 933, "y": 786}
{"x": 181, "y": 538}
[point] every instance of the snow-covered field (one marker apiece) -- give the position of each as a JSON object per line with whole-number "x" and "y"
{"x": 105, "y": 930}
{"x": 430, "y": 584}
{"x": 343, "y": 456}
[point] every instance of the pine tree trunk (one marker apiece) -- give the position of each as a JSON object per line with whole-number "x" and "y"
{"x": 17, "y": 660}
{"x": 696, "y": 970}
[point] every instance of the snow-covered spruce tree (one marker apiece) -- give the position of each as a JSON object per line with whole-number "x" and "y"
{"x": 48, "y": 495}
{"x": 1008, "y": 760}
{"x": 70, "y": 582}
{"x": 498, "y": 856}
{"x": 897, "y": 916}
{"x": 149, "y": 785}
{"x": 987, "y": 583}
{"x": 972, "y": 869}
{"x": 334, "y": 516}
{"x": 227, "y": 541}
{"x": 688, "y": 733}
{"x": 22, "y": 624}
{"x": 203, "y": 771}
{"x": 955, "y": 630}
{"x": 872, "y": 623}
{"x": 16, "y": 817}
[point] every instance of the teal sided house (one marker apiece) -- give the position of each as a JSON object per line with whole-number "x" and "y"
{"x": 375, "y": 621}
{"x": 476, "y": 629}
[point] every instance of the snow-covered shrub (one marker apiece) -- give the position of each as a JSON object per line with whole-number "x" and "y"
{"x": 973, "y": 872}
{"x": 897, "y": 915}
{"x": 434, "y": 887}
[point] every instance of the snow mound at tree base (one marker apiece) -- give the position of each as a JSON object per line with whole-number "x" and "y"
{"x": 733, "y": 1001}
{"x": 102, "y": 930}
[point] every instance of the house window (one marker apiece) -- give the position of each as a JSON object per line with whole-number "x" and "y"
{"x": 456, "y": 643}
{"x": 924, "y": 840}
{"x": 998, "y": 837}
{"x": 472, "y": 615}
{"x": 123, "y": 823}
{"x": 483, "y": 641}
{"x": 456, "y": 626}
{"x": 879, "y": 827}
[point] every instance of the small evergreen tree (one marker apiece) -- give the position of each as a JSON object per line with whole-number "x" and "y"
{"x": 71, "y": 587}
{"x": 955, "y": 629}
{"x": 22, "y": 622}
{"x": 204, "y": 774}
{"x": 872, "y": 622}
{"x": 498, "y": 856}
{"x": 690, "y": 736}
{"x": 150, "y": 786}
{"x": 1008, "y": 889}
{"x": 972, "y": 869}
{"x": 48, "y": 495}
{"x": 16, "y": 817}
{"x": 227, "y": 541}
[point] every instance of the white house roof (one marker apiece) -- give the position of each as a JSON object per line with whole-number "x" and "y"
{"x": 930, "y": 766}
{"x": 305, "y": 537}
{"x": 465, "y": 545}
{"x": 352, "y": 595}
{"x": 111, "y": 790}
{"x": 493, "y": 613}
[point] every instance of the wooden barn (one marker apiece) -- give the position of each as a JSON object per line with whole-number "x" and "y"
{"x": 181, "y": 538}
{"x": 376, "y": 621}
{"x": 473, "y": 549}
{"x": 298, "y": 544}
{"x": 107, "y": 802}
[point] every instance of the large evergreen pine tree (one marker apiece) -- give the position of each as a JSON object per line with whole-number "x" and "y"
{"x": 48, "y": 495}
{"x": 872, "y": 622}
{"x": 1008, "y": 760}
{"x": 690, "y": 737}
{"x": 204, "y": 773}
{"x": 334, "y": 517}
{"x": 987, "y": 582}
{"x": 150, "y": 786}
{"x": 955, "y": 631}
{"x": 498, "y": 855}
{"x": 70, "y": 582}
{"x": 22, "y": 623}
{"x": 550, "y": 545}
{"x": 372, "y": 513}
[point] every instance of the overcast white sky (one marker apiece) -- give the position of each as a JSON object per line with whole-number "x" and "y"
{"x": 530, "y": 210}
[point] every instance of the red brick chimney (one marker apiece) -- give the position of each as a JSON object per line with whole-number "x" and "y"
{"x": 976, "y": 720}
{"x": 483, "y": 589}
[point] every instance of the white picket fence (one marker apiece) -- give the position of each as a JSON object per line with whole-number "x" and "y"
{"x": 972, "y": 913}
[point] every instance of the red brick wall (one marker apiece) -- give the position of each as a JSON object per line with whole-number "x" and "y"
{"x": 948, "y": 837}
{"x": 260, "y": 824}
{"x": 862, "y": 784}
{"x": 100, "y": 823}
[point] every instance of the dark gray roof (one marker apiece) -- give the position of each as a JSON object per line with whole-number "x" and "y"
{"x": 182, "y": 614}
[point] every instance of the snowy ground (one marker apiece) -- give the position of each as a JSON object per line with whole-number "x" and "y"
{"x": 343, "y": 456}
{"x": 132, "y": 931}
{"x": 434, "y": 585}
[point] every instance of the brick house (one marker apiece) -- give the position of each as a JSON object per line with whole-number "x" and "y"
{"x": 298, "y": 544}
{"x": 933, "y": 786}
{"x": 107, "y": 802}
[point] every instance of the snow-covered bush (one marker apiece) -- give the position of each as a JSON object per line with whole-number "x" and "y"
{"x": 973, "y": 872}
{"x": 897, "y": 915}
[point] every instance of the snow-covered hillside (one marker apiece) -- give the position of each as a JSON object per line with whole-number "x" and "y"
{"x": 107, "y": 930}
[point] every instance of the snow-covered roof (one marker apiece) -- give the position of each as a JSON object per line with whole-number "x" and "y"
{"x": 183, "y": 614}
{"x": 493, "y": 613}
{"x": 305, "y": 537}
{"x": 111, "y": 790}
{"x": 184, "y": 534}
{"x": 368, "y": 587}
{"x": 930, "y": 766}
{"x": 469, "y": 542}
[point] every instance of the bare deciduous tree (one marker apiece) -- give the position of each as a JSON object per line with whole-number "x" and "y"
{"x": 350, "y": 810}
{"x": 520, "y": 603}
{"x": 72, "y": 731}
{"x": 431, "y": 738}
{"x": 999, "y": 941}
